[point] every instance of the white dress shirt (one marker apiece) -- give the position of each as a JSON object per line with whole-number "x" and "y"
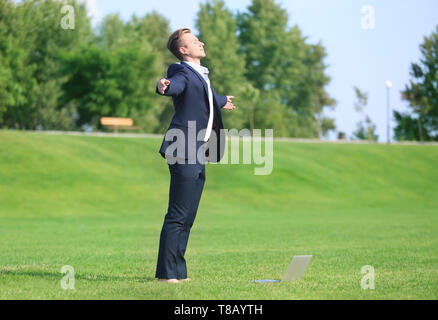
{"x": 203, "y": 71}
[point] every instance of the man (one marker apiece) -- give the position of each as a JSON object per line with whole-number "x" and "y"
{"x": 198, "y": 119}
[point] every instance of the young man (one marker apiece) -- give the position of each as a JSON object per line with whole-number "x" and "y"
{"x": 198, "y": 119}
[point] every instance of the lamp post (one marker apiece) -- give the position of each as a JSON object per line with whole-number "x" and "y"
{"x": 388, "y": 107}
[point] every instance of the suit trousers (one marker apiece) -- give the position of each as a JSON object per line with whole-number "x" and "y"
{"x": 186, "y": 185}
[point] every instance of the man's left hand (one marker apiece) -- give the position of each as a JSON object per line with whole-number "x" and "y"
{"x": 230, "y": 105}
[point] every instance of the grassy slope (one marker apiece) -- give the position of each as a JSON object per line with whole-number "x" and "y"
{"x": 98, "y": 204}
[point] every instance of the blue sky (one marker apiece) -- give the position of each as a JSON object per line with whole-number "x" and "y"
{"x": 360, "y": 57}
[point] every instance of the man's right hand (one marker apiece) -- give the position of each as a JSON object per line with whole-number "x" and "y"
{"x": 162, "y": 85}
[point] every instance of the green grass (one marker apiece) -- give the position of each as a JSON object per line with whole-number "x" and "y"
{"x": 98, "y": 205}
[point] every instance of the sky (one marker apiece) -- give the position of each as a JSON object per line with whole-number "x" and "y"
{"x": 368, "y": 43}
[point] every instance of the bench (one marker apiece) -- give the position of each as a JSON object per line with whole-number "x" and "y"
{"x": 118, "y": 123}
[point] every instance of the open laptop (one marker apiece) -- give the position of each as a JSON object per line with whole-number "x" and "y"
{"x": 295, "y": 270}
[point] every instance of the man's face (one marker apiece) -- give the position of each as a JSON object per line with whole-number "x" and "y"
{"x": 192, "y": 47}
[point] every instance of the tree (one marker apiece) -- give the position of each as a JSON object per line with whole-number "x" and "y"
{"x": 422, "y": 94}
{"x": 108, "y": 82}
{"x": 57, "y": 78}
{"x": 35, "y": 38}
{"x": 152, "y": 31}
{"x": 366, "y": 129}
{"x": 326, "y": 125}
{"x": 409, "y": 128}
{"x": 217, "y": 29}
{"x": 14, "y": 82}
{"x": 320, "y": 98}
{"x": 137, "y": 55}
{"x": 281, "y": 64}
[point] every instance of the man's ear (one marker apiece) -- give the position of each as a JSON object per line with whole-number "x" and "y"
{"x": 182, "y": 50}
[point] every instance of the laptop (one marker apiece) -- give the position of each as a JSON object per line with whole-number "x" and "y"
{"x": 295, "y": 271}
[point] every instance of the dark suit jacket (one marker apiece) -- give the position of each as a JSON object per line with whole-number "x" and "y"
{"x": 189, "y": 92}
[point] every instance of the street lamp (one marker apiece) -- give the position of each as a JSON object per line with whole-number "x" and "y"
{"x": 388, "y": 90}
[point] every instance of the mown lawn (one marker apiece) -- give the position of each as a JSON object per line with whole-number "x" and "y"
{"x": 98, "y": 203}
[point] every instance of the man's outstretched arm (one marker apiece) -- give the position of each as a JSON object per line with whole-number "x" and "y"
{"x": 175, "y": 83}
{"x": 225, "y": 102}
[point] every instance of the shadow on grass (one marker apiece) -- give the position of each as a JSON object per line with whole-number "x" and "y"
{"x": 58, "y": 276}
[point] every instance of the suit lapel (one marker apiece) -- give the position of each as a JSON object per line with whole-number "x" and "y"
{"x": 204, "y": 83}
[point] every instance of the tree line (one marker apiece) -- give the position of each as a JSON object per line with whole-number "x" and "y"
{"x": 52, "y": 78}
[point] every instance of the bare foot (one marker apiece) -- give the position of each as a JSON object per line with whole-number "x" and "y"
{"x": 188, "y": 279}
{"x": 169, "y": 280}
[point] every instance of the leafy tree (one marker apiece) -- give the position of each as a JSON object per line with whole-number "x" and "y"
{"x": 14, "y": 80}
{"x": 36, "y": 38}
{"x": 362, "y": 101}
{"x": 113, "y": 33}
{"x": 269, "y": 113}
{"x": 217, "y": 29}
{"x": 154, "y": 30}
{"x": 134, "y": 55}
{"x": 422, "y": 94}
{"x": 55, "y": 78}
{"x": 366, "y": 129}
{"x": 281, "y": 64}
{"x": 408, "y": 128}
{"x": 108, "y": 82}
{"x": 249, "y": 98}
{"x": 326, "y": 125}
